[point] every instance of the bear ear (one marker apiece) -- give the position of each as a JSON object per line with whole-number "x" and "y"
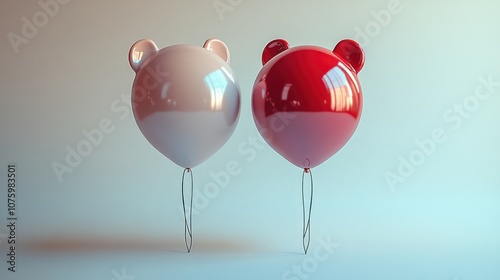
{"x": 352, "y": 52}
{"x": 218, "y": 47}
{"x": 273, "y": 48}
{"x": 140, "y": 52}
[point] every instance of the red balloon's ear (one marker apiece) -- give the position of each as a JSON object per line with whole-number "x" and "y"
{"x": 273, "y": 48}
{"x": 352, "y": 52}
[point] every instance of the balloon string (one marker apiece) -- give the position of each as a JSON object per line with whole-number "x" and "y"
{"x": 306, "y": 229}
{"x": 188, "y": 221}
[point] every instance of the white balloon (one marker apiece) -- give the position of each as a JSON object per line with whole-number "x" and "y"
{"x": 186, "y": 100}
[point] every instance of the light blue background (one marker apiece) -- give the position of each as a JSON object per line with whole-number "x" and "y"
{"x": 119, "y": 208}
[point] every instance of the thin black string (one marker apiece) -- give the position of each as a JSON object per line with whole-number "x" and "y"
{"x": 188, "y": 221}
{"x": 306, "y": 229}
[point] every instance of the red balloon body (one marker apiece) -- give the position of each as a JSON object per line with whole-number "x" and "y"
{"x": 307, "y": 100}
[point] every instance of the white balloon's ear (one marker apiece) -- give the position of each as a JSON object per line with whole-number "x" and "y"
{"x": 140, "y": 52}
{"x": 218, "y": 47}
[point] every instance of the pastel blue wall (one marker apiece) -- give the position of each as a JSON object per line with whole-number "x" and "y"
{"x": 415, "y": 194}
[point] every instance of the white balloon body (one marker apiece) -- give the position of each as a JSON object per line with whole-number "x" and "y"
{"x": 185, "y": 99}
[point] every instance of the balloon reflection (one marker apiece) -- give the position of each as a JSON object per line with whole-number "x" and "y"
{"x": 216, "y": 83}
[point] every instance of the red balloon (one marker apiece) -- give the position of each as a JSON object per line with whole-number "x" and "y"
{"x": 307, "y": 100}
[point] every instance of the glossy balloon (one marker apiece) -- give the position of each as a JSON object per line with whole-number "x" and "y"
{"x": 307, "y": 100}
{"x": 185, "y": 98}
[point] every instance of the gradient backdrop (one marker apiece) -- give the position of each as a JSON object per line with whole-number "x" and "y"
{"x": 431, "y": 86}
